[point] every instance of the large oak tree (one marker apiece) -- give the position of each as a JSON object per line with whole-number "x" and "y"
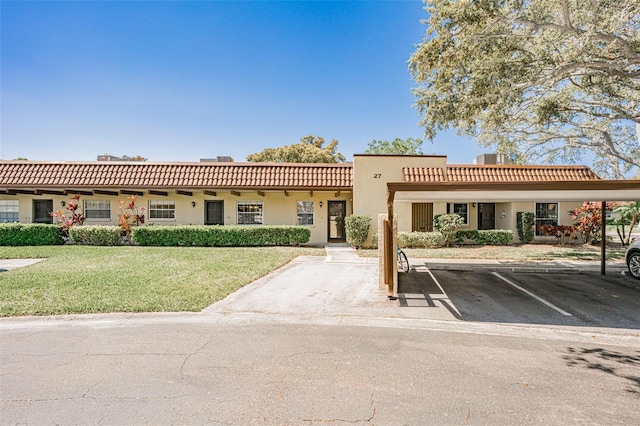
{"x": 542, "y": 80}
{"x": 409, "y": 146}
{"x": 311, "y": 149}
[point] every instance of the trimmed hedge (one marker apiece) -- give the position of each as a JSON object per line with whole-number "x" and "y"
{"x": 30, "y": 234}
{"x": 97, "y": 235}
{"x": 472, "y": 235}
{"x": 496, "y": 237}
{"x": 420, "y": 239}
{"x": 221, "y": 236}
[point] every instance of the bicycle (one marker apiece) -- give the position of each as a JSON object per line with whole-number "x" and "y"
{"x": 403, "y": 262}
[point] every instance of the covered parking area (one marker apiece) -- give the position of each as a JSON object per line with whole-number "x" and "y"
{"x": 580, "y": 191}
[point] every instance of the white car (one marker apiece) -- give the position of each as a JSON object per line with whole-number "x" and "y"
{"x": 632, "y": 257}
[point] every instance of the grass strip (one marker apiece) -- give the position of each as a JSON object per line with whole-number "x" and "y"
{"x": 88, "y": 279}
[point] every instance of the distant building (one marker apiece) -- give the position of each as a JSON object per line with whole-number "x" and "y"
{"x": 218, "y": 159}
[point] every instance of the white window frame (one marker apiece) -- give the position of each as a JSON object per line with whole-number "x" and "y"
{"x": 258, "y": 214}
{"x": 546, "y": 220}
{"x": 305, "y": 209}
{"x": 451, "y": 208}
{"x": 104, "y": 206}
{"x": 9, "y": 211}
{"x": 167, "y": 207}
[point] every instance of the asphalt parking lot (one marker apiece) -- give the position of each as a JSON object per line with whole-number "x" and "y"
{"x": 536, "y": 297}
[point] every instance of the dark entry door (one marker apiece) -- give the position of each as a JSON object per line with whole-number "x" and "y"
{"x": 337, "y": 213}
{"x": 486, "y": 216}
{"x": 215, "y": 213}
{"x": 41, "y": 210}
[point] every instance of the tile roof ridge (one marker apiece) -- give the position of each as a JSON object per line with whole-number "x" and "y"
{"x": 174, "y": 163}
{"x": 521, "y": 166}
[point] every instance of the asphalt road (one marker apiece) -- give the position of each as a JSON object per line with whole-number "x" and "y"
{"x": 318, "y": 343}
{"x": 170, "y": 371}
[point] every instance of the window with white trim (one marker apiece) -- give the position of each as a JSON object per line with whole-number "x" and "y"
{"x": 250, "y": 213}
{"x": 162, "y": 209}
{"x": 546, "y": 214}
{"x": 9, "y": 211}
{"x": 97, "y": 209}
{"x": 305, "y": 212}
{"x": 461, "y": 209}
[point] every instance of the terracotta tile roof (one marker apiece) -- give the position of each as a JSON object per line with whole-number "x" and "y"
{"x": 498, "y": 173}
{"x": 140, "y": 175}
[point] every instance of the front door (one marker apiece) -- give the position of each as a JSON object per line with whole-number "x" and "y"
{"x": 214, "y": 213}
{"x": 41, "y": 210}
{"x": 422, "y": 217}
{"x": 486, "y": 216}
{"x": 337, "y": 213}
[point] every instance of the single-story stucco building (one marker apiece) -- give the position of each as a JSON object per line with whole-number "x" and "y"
{"x": 315, "y": 195}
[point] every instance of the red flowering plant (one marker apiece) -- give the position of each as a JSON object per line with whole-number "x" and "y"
{"x": 589, "y": 220}
{"x": 71, "y": 215}
{"x": 130, "y": 215}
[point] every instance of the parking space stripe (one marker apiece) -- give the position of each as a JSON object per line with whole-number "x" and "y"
{"x": 540, "y": 299}
{"x": 446, "y": 296}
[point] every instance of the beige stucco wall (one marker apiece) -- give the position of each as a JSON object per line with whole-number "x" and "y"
{"x": 370, "y": 176}
{"x": 564, "y": 218}
{"x": 278, "y": 208}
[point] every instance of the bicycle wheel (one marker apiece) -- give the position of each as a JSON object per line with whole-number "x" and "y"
{"x": 403, "y": 263}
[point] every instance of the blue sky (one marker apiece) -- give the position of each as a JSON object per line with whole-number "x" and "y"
{"x": 180, "y": 81}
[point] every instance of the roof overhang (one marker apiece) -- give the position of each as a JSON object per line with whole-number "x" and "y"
{"x": 596, "y": 190}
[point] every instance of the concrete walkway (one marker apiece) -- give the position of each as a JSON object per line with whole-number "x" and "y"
{"x": 8, "y": 264}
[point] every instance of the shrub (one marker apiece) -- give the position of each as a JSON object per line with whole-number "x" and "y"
{"x": 129, "y": 215}
{"x": 69, "y": 216}
{"x": 469, "y": 235}
{"x": 30, "y": 234}
{"x": 486, "y": 236}
{"x": 97, "y": 235}
{"x": 420, "y": 239}
{"x": 525, "y": 223}
{"x": 498, "y": 237}
{"x": 357, "y": 228}
{"x": 221, "y": 236}
{"x": 448, "y": 225}
{"x": 589, "y": 217}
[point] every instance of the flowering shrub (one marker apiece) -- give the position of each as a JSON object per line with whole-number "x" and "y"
{"x": 589, "y": 217}
{"x": 71, "y": 215}
{"x": 130, "y": 215}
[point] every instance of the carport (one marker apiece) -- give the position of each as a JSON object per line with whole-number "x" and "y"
{"x": 592, "y": 190}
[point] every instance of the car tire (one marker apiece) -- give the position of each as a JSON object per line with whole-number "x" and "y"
{"x": 633, "y": 263}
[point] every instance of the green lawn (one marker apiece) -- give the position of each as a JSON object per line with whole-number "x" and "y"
{"x": 87, "y": 279}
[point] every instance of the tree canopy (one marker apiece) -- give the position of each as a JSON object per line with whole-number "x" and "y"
{"x": 542, "y": 80}
{"x": 309, "y": 150}
{"x": 397, "y": 146}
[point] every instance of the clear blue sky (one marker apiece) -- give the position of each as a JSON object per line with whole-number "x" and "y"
{"x": 180, "y": 81}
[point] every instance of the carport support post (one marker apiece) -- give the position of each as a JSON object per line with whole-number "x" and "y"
{"x": 603, "y": 242}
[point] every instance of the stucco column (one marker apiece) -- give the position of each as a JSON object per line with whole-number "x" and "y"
{"x": 382, "y": 284}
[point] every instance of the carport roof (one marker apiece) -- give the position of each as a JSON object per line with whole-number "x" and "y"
{"x": 501, "y": 191}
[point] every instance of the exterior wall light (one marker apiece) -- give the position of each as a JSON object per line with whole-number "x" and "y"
{"x": 62, "y": 203}
{"x": 193, "y": 204}
{"x": 321, "y": 204}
